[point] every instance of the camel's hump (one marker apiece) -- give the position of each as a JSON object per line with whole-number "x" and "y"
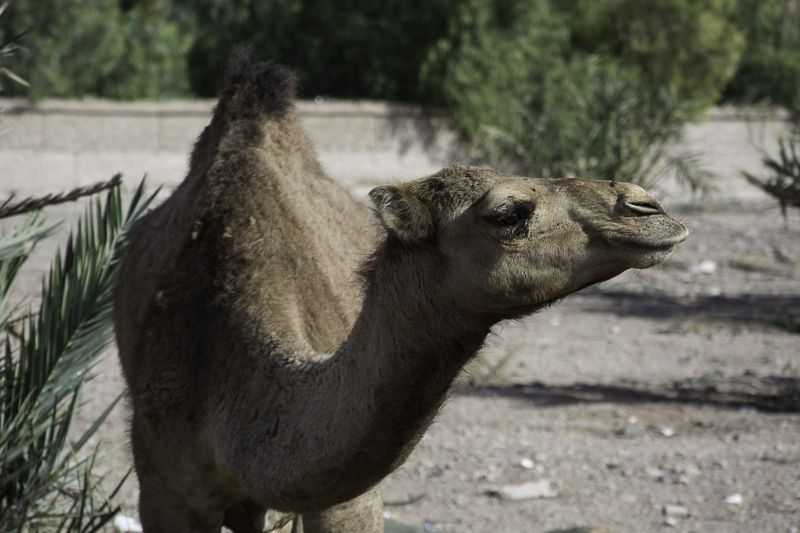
{"x": 256, "y": 86}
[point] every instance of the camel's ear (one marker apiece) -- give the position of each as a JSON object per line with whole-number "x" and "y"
{"x": 402, "y": 213}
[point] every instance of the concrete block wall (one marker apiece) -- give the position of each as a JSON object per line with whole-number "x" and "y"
{"x": 57, "y": 144}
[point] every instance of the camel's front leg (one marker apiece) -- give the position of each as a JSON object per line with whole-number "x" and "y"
{"x": 161, "y": 508}
{"x": 362, "y": 514}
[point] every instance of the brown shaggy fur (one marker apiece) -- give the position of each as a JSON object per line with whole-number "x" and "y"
{"x": 262, "y": 375}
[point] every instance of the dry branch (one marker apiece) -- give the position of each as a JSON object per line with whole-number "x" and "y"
{"x": 7, "y": 209}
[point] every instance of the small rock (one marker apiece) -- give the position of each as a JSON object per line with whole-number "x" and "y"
{"x": 656, "y": 473}
{"x": 631, "y": 429}
{"x": 676, "y": 511}
{"x": 404, "y": 499}
{"x": 781, "y": 255}
{"x": 526, "y": 463}
{"x": 667, "y": 431}
{"x": 721, "y": 464}
{"x": 580, "y": 529}
{"x": 775, "y": 458}
{"x": 689, "y": 469}
{"x": 125, "y": 524}
{"x": 541, "y": 488}
{"x": 671, "y": 521}
{"x": 734, "y": 499}
{"x": 706, "y": 266}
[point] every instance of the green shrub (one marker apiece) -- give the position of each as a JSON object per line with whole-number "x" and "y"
{"x": 770, "y": 67}
{"x": 339, "y": 48}
{"x": 490, "y": 68}
{"x": 598, "y": 120}
{"x": 513, "y": 88}
{"x": 8, "y": 47}
{"x": 217, "y": 26}
{"x": 688, "y": 47}
{"x": 92, "y": 47}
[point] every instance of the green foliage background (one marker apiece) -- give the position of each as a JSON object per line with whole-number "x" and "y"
{"x": 689, "y": 47}
{"x": 769, "y": 70}
{"x": 366, "y": 49}
{"x": 79, "y": 48}
{"x": 561, "y": 87}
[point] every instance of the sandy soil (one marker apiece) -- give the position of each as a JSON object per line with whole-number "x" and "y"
{"x": 678, "y": 385}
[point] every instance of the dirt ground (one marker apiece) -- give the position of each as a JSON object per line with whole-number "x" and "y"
{"x": 674, "y": 386}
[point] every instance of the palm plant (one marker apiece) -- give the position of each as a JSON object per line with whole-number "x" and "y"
{"x": 46, "y": 356}
{"x": 784, "y": 182}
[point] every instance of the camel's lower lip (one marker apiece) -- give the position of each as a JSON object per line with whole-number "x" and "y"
{"x": 666, "y": 243}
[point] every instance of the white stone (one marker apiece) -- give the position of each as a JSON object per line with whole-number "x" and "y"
{"x": 127, "y": 524}
{"x": 706, "y": 266}
{"x": 678, "y": 511}
{"x": 541, "y": 488}
{"x": 734, "y": 499}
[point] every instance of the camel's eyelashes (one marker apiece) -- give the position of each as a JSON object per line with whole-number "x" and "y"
{"x": 511, "y": 219}
{"x": 511, "y": 215}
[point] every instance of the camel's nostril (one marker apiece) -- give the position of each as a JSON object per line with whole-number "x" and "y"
{"x": 645, "y": 207}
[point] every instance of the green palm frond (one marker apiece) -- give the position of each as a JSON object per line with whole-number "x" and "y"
{"x": 784, "y": 182}
{"x": 15, "y": 247}
{"x": 43, "y": 482}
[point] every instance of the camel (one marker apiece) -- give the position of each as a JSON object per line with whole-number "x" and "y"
{"x": 285, "y": 347}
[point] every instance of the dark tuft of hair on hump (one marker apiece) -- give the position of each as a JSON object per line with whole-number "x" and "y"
{"x": 255, "y": 87}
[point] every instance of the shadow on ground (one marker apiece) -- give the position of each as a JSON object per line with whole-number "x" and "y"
{"x": 773, "y": 394}
{"x": 779, "y": 311}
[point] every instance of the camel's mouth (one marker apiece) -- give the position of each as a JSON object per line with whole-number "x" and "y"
{"x": 648, "y": 227}
{"x": 647, "y": 241}
{"x": 651, "y": 243}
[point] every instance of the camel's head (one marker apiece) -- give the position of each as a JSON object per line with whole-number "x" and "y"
{"x": 509, "y": 245}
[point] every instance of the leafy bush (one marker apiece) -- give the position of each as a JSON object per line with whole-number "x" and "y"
{"x": 217, "y": 26}
{"x": 770, "y": 67}
{"x": 45, "y": 358}
{"x": 490, "y": 67}
{"x": 506, "y": 73}
{"x": 91, "y": 47}
{"x": 599, "y": 120}
{"x": 688, "y": 47}
{"x": 341, "y": 48}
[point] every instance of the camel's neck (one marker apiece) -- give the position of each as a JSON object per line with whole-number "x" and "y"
{"x": 372, "y": 400}
{"x": 407, "y": 346}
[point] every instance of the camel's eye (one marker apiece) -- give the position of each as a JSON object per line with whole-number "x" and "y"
{"x": 511, "y": 215}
